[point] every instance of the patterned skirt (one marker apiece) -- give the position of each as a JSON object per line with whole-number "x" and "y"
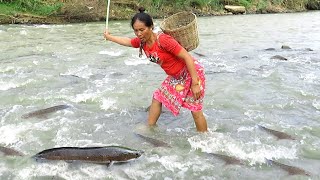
{"x": 175, "y": 91}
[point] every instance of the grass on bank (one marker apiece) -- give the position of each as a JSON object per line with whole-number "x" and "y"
{"x": 7, "y": 9}
{"x": 38, "y": 7}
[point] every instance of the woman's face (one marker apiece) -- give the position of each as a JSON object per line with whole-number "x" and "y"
{"x": 143, "y": 32}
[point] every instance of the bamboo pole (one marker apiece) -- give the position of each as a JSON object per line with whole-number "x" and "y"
{"x": 107, "y": 17}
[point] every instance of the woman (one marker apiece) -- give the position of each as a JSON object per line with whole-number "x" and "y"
{"x": 185, "y": 84}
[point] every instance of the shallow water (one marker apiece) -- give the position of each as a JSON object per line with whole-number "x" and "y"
{"x": 109, "y": 87}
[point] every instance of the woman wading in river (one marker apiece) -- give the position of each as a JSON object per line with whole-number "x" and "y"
{"x": 185, "y": 84}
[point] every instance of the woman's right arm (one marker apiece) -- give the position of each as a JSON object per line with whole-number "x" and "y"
{"x": 125, "y": 41}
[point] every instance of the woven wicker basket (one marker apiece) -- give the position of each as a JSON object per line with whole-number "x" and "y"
{"x": 182, "y": 27}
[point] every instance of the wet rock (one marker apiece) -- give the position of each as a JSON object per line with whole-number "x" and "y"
{"x": 285, "y": 47}
{"x": 235, "y": 9}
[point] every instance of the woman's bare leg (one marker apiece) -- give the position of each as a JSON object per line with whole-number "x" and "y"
{"x": 200, "y": 121}
{"x": 154, "y": 112}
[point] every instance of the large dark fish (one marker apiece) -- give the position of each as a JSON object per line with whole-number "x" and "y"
{"x": 10, "y": 152}
{"x": 278, "y": 134}
{"x": 228, "y": 159}
{"x": 99, "y": 155}
{"x": 155, "y": 142}
{"x": 43, "y": 112}
{"x": 290, "y": 169}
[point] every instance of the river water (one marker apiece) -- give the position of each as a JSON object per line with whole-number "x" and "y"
{"x": 109, "y": 87}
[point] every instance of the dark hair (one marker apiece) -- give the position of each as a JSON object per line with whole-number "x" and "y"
{"x": 143, "y": 17}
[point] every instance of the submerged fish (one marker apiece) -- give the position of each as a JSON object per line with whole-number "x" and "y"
{"x": 10, "y": 152}
{"x": 43, "y": 112}
{"x": 199, "y": 54}
{"x": 278, "y": 134}
{"x": 99, "y": 155}
{"x": 53, "y": 177}
{"x": 279, "y": 58}
{"x": 155, "y": 142}
{"x": 270, "y": 49}
{"x": 228, "y": 159}
{"x": 290, "y": 169}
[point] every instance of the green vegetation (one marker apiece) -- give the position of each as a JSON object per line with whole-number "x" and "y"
{"x": 8, "y": 9}
{"x": 156, "y": 5}
{"x": 313, "y": 4}
{"x": 38, "y": 7}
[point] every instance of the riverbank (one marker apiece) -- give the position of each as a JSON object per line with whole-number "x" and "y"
{"x": 75, "y": 11}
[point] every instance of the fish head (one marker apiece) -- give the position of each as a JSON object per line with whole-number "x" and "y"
{"x": 133, "y": 154}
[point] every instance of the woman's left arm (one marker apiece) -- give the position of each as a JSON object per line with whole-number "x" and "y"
{"x": 195, "y": 85}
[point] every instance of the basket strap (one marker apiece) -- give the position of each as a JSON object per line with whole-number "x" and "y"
{"x": 141, "y": 49}
{"x": 158, "y": 41}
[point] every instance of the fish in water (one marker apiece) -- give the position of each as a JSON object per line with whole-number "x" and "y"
{"x": 278, "y": 134}
{"x": 53, "y": 177}
{"x": 43, "y": 112}
{"x": 10, "y": 152}
{"x": 98, "y": 155}
{"x": 309, "y": 49}
{"x": 199, "y": 54}
{"x": 290, "y": 169}
{"x": 279, "y": 58}
{"x": 71, "y": 75}
{"x": 155, "y": 142}
{"x": 227, "y": 159}
{"x": 270, "y": 49}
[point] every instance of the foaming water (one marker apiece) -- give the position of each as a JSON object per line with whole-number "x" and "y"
{"x": 108, "y": 88}
{"x": 254, "y": 151}
{"x": 111, "y": 53}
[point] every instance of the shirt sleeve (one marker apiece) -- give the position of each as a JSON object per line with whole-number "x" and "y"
{"x": 135, "y": 42}
{"x": 170, "y": 44}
